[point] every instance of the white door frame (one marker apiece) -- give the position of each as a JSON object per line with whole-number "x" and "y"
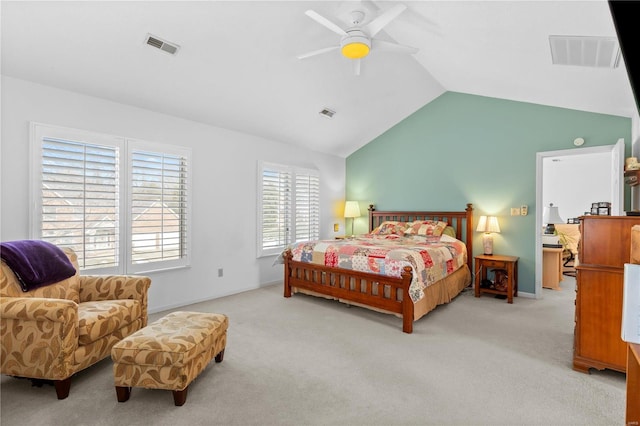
{"x": 617, "y": 192}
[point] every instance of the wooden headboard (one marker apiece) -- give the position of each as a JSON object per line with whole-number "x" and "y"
{"x": 461, "y": 221}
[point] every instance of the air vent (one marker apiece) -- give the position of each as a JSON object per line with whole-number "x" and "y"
{"x": 598, "y": 52}
{"x": 163, "y": 45}
{"x": 326, "y": 112}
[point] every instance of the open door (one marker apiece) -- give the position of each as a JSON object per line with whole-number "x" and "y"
{"x": 615, "y": 154}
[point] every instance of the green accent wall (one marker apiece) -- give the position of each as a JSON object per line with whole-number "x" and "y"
{"x": 461, "y": 149}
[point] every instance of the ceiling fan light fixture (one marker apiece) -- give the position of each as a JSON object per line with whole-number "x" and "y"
{"x": 355, "y": 50}
{"x": 355, "y": 44}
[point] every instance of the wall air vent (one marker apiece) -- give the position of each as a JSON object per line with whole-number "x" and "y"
{"x": 598, "y": 52}
{"x": 326, "y": 112}
{"x": 163, "y": 45}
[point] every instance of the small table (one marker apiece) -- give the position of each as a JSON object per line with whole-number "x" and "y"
{"x": 551, "y": 267}
{"x": 497, "y": 261}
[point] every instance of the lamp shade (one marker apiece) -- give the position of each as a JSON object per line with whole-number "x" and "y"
{"x": 551, "y": 215}
{"x": 351, "y": 209}
{"x": 488, "y": 224}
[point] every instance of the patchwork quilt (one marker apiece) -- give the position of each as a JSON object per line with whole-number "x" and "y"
{"x": 430, "y": 258}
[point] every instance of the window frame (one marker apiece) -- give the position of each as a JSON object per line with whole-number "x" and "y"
{"x": 140, "y": 145}
{"x": 125, "y": 146}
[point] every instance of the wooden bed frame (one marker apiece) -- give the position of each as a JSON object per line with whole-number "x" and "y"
{"x": 360, "y": 287}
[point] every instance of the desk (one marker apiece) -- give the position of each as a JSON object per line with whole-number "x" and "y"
{"x": 551, "y": 267}
{"x": 633, "y": 384}
{"x": 509, "y": 263}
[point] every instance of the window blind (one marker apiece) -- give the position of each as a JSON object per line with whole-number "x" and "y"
{"x": 80, "y": 200}
{"x": 276, "y": 208}
{"x": 307, "y": 211}
{"x": 158, "y": 206}
{"x": 288, "y": 207}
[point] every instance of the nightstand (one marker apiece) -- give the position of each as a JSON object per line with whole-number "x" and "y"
{"x": 485, "y": 263}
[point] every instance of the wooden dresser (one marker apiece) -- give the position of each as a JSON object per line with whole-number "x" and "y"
{"x": 604, "y": 248}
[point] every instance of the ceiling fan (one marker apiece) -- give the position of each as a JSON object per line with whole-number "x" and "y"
{"x": 358, "y": 40}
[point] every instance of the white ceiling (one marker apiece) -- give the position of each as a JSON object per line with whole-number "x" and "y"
{"x": 237, "y": 65}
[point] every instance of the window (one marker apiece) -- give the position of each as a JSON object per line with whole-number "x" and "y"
{"x": 288, "y": 206}
{"x": 159, "y": 204}
{"x": 122, "y": 205}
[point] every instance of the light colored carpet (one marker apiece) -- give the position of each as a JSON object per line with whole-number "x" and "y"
{"x": 306, "y": 360}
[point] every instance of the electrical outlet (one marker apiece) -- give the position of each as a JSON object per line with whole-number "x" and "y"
{"x": 524, "y": 210}
{"x": 336, "y": 227}
{"x": 515, "y": 211}
{"x": 220, "y": 272}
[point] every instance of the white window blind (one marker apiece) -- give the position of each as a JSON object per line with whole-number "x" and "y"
{"x": 288, "y": 207}
{"x": 79, "y": 194}
{"x": 307, "y": 211}
{"x": 158, "y": 206}
{"x": 123, "y": 208}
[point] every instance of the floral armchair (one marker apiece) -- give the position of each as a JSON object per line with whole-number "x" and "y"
{"x": 54, "y": 331}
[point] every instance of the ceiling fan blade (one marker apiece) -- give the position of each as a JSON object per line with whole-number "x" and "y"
{"x": 317, "y": 52}
{"x": 387, "y": 46}
{"x": 356, "y": 67}
{"x": 381, "y": 21}
{"x": 324, "y": 21}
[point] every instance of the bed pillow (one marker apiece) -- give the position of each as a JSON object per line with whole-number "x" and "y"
{"x": 426, "y": 227}
{"x": 449, "y": 231}
{"x": 390, "y": 227}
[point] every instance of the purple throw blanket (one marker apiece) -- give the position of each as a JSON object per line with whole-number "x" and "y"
{"x": 36, "y": 263}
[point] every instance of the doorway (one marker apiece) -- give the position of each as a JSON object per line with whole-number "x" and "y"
{"x": 581, "y": 163}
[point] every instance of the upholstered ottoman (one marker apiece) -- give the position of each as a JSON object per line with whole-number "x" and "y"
{"x": 169, "y": 353}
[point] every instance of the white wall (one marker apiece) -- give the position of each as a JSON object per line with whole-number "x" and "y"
{"x": 574, "y": 182}
{"x": 224, "y": 184}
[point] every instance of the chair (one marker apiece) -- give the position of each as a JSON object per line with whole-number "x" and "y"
{"x": 569, "y": 235}
{"x": 52, "y": 332}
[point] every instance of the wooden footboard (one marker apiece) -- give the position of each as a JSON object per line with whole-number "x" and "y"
{"x": 377, "y": 291}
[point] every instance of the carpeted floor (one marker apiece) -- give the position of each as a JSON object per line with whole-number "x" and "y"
{"x": 305, "y": 360}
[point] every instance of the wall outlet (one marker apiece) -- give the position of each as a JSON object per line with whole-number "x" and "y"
{"x": 336, "y": 227}
{"x": 220, "y": 272}
{"x": 524, "y": 210}
{"x": 515, "y": 211}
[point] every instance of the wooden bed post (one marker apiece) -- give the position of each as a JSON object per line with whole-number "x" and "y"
{"x": 469, "y": 239}
{"x": 371, "y": 209}
{"x": 287, "y": 272}
{"x": 407, "y": 303}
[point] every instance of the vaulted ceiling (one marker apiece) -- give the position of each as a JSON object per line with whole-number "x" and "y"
{"x": 236, "y": 67}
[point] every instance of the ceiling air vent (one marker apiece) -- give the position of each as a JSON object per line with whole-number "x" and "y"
{"x": 598, "y": 52}
{"x": 163, "y": 45}
{"x": 326, "y": 112}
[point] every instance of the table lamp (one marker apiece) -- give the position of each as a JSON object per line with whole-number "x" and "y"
{"x": 352, "y": 210}
{"x": 488, "y": 224}
{"x": 551, "y": 217}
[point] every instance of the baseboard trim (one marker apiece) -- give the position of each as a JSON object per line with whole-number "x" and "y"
{"x": 206, "y": 299}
